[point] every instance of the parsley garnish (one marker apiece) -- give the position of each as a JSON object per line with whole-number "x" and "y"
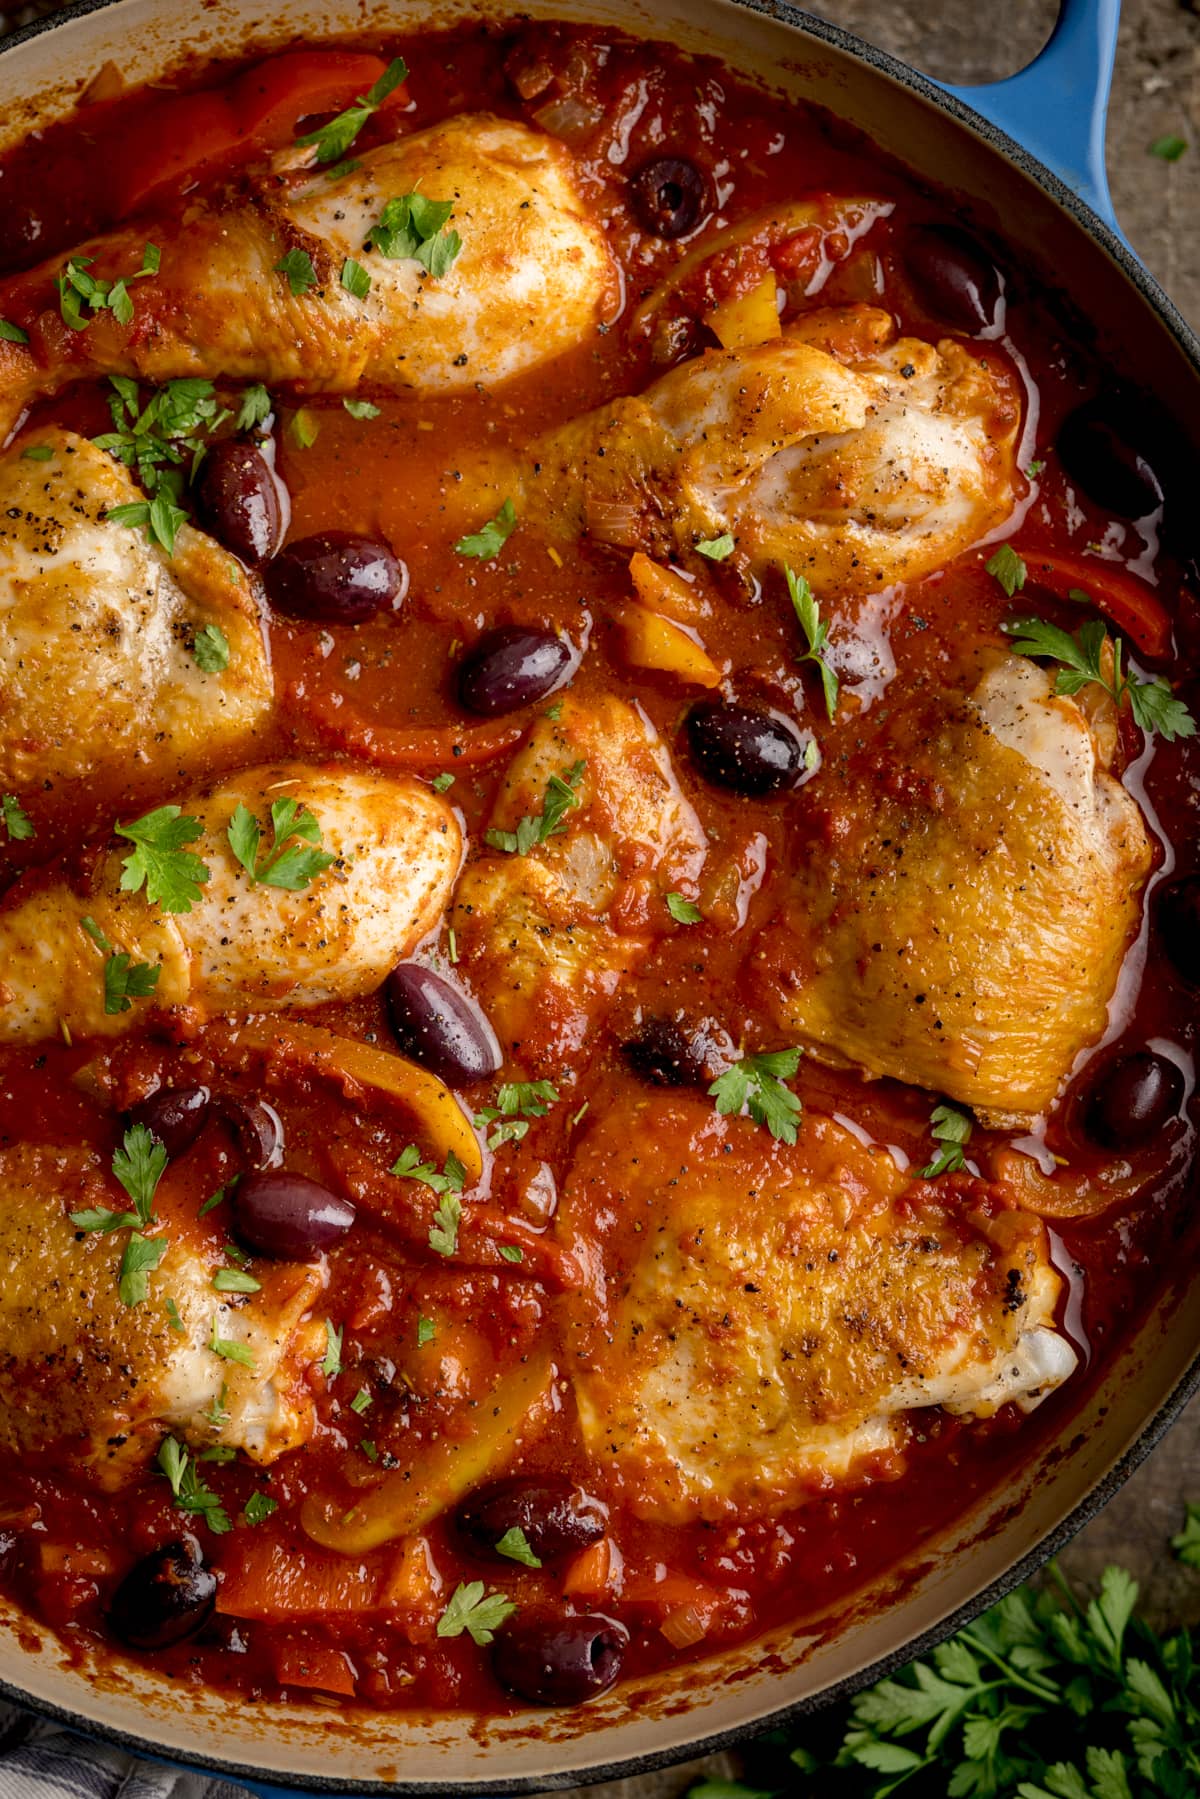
{"x": 362, "y": 1401}
{"x": 1034, "y": 469}
{"x": 540, "y": 827}
{"x": 683, "y": 911}
{"x": 755, "y": 1085}
{"x": 361, "y": 409}
{"x": 288, "y": 864}
{"x": 442, "y": 783}
{"x": 331, "y": 1367}
{"x": 160, "y": 518}
{"x": 139, "y": 1166}
{"x": 443, "y": 1235}
{"x": 217, "y": 1198}
{"x": 255, "y": 407}
{"x": 216, "y": 1415}
{"x": 816, "y": 635}
{"x": 16, "y": 820}
{"x": 235, "y": 1280}
{"x": 163, "y": 442}
{"x": 228, "y": 1349}
{"x": 142, "y": 1255}
{"x": 469, "y": 1610}
{"x": 297, "y": 266}
{"x": 516, "y": 1102}
{"x": 715, "y": 548}
{"x": 443, "y": 1232}
{"x": 1169, "y": 148}
{"x": 515, "y": 1545}
{"x": 12, "y": 334}
{"x": 38, "y": 453}
{"x": 511, "y": 1252}
{"x": 411, "y": 226}
{"x": 355, "y": 279}
{"x": 1007, "y": 568}
{"x": 334, "y": 139}
{"x": 259, "y": 1506}
{"x": 125, "y": 981}
{"x": 173, "y": 1319}
{"x": 211, "y": 650}
{"x": 191, "y": 1494}
{"x": 1152, "y": 703}
{"x": 488, "y": 542}
{"x": 951, "y": 1129}
{"x": 173, "y": 877}
{"x": 78, "y": 288}
{"x": 305, "y": 428}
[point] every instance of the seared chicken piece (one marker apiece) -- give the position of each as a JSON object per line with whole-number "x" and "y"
{"x": 533, "y": 279}
{"x": 858, "y": 474}
{"x": 99, "y": 627}
{"x": 243, "y": 946}
{"x": 101, "y": 1381}
{"x": 960, "y": 905}
{"x": 770, "y": 1315}
{"x": 545, "y": 937}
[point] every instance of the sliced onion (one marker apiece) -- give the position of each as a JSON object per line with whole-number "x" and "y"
{"x": 616, "y": 522}
{"x": 569, "y": 116}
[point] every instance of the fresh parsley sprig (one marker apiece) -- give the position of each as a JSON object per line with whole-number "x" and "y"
{"x": 173, "y": 877}
{"x": 490, "y": 539}
{"x": 191, "y": 1494}
{"x": 334, "y": 139}
{"x": 517, "y": 1102}
{"x": 163, "y": 442}
{"x": 17, "y": 825}
{"x": 124, "y": 979}
{"x": 755, "y": 1085}
{"x": 79, "y": 289}
{"x": 1154, "y": 706}
{"x": 539, "y": 827}
{"x": 412, "y": 226}
{"x": 480, "y": 1616}
{"x": 816, "y": 635}
{"x": 950, "y": 1129}
{"x": 288, "y": 864}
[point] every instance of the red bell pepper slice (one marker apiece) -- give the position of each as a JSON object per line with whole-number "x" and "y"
{"x": 1132, "y": 606}
{"x": 178, "y": 134}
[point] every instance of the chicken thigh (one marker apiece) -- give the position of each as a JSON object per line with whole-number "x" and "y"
{"x": 769, "y": 1315}
{"x": 85, "y": 1373}
{"x": 961, "y": 902}
{"x": 858, "y": 472}
{"x": 533, "y": 278}
{"x": 546, "y": 936}
{"x": 242, "y": 944}
{"x": 99, "y": 628}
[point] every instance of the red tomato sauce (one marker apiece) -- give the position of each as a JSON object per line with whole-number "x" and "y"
{"x": 292, "y": 1619}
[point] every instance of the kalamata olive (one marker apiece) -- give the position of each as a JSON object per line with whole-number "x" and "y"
{"x": 556, "y": 1516}
{"x": 440, "y": 1027}
{"x": 669, "y": 196}
{"x": 1179, "y": 923}
{"x": 743, "y": 747}
{"x": 289, "y": 1216}
{"x": 1134, "y": 1099}
{"x": 175, "y": 1115}
{"x": 512, "y": 667}
{"x": 953, "y": 276}
{"x": 1097, "y": 446}
{"x": 257, "y": 1130}
{"x": 164, "y": 1597}
{"x": 334, "y": 577}
{"x": 238, "y": 500}
{"x": 669, "y": 1054}
{"x": 559, "y": 1661}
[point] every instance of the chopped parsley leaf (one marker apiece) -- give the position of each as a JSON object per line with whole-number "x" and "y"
{"x": 515, "y": 1545}
{"x": 331, "y": 1367}
{"x": 229, "y": 1350}
{"x": 511, "y": 1252}
{"x": 469, "y": 1610}
{"x": 297, "y": 266}
{"x": 715, "y": 548}
{"x": 411, "y": 226}
{"x": 1169, "y": 148}
{"x": 442, "y": 783}
{"x": 682, "y": 910}
{"x": 38, "y": 453}
{"x": 259, "y": 1507}
{"x": 488, "y": 542}
{"x": 334, "y": 139}
{"x": 79, "y": 288}
{"x": 173, "y": 1319}
{"x": 235, "y": 1280}
{"x": 361, "y": 409}
{"x": 289, "y": 865}
{"x": 17, "y": 825}
{"x": 12, "y": 334}
{"x": 139, "y": 1166}
{"x": 540, "y": 827}
{"x": 951, "y": 1129}
{"x": 516, "y": 1102}
{"x": 125, "y": 981}
{"x": 172, "y": 876}
{"x": 191, "y": 1494}
{"x": 355, "y": 279}
{"x": 254, "y": 408}
{"x": 160, "y": 518}
{"x": 426, "y": 1331}
{"x": 816, "y": 635}
{"x": 755, "y": 1085}
{"x": 361, "y": 1401}
{"x": 304, "y": 428}
{"x": 1007, "y": 568}
{"x": 443, "y": 1233}
{"x": 211, "y": 650}
{"x": 142, "y": 1255}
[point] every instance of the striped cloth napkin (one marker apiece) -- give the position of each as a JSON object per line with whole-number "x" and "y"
{"x": 41, "y": 1760}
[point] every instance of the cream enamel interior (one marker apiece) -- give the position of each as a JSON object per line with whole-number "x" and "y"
{"x": 668, "y": 1716}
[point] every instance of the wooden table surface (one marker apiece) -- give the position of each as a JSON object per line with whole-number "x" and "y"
{"x": 1156, "y": 92}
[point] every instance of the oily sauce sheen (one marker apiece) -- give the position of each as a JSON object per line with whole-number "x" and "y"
{"x": 463, "y": 654}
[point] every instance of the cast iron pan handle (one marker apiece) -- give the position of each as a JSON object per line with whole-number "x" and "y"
{"x": 1056, "y": 108}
